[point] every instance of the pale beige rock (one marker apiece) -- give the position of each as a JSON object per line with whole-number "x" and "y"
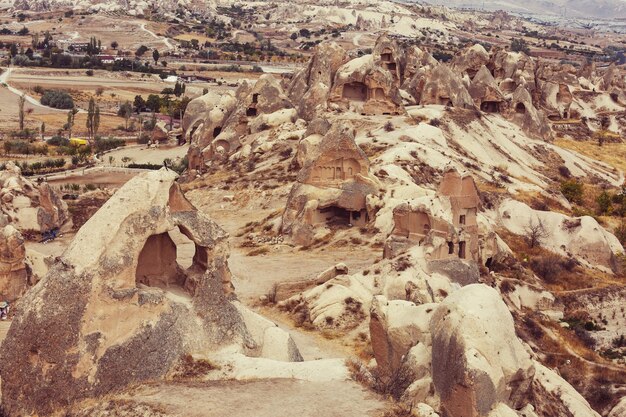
{"x": 478, "y": 361}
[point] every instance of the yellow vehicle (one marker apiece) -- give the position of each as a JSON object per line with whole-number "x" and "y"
{"x": 78, "y": 142}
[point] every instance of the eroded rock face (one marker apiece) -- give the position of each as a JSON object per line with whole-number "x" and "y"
{"x": 365, "y": 87}
{"x": 523, "y": 112}
{"x": 581, "y": 237}
{"x": 310, "y": 87}
{"x": 396, "y": 327}
{"x": 440, "y": 85}
{"x": 332, "y": 185}
{"x": 13, "y": 271}
{"x": 477, "y": 360}
{"x": 28, "y": 206}
{"x": 263, "y": 99}
{"x": 108, "y": 315}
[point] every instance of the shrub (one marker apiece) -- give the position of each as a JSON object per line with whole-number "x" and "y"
{"x": 604, "y": 203}
{"x": 435, "y": 122}
{"x": 389, "y": 127}
{"x": 58, "y": 141}
{"x": 57, "y": 99}
{"x": 547, "y": 267}
{"x": 572, "y": 190}
{"x": 564, "y": 171}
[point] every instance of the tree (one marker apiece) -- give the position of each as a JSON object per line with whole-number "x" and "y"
{"x": 114, "y": 44}
{"x": 125, "y": 111}
{"x": 153, "y": 102}
{"x": 178, "y": 89}
{"x": 139, "y": 103}
{"x": 91, "y": 114}
{"x": 42, "y": 129}
{"x": 155, "y": 56}
{"x": 535, "y": 233}
{"x": 13, "y": 50}
{"x": 294, "y": 36}
{"x": 519, "y": 45}
{"x": 96, "y": 121}
{"x": 70, "y": 121}
{"x": 141, "y": 50}
{"x": 22, "y": 102}
{"x": 604, "y": 203}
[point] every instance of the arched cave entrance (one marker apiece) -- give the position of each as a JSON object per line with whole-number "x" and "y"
{"x": 520, "y": 108}
{"x": 489, "y": 106}
{"x": 168, "y": 259}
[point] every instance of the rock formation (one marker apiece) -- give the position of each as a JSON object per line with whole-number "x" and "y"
{"x": 311, "y": 86}
{"x": 440, "y": 85}
{"x": 367, "y": 88}
{"x": 486, "y": 92}
{"x": 117, "y": 308}
{"x": 582, "y": 237}
{"x": 332, "y": 186}
{"x": 202, "y": 123}
{"x": 470, "y": 60}
{"x": 465, "y": 359}
{"x": 13, "y": 270}
{"x": 28, "y": 206}
{"x": 452, "y": 233}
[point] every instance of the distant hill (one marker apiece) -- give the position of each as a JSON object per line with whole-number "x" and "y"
{"x": 571, "y": 8}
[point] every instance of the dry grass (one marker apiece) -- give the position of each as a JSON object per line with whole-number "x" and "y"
{"x": 576, "y": 278}
{"x": 613, "y": 154}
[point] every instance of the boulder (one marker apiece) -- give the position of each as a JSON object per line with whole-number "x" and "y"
{"x": 396, "y": 327}
{"x": 116, "y": 308}
{"x": 477, "y": 360}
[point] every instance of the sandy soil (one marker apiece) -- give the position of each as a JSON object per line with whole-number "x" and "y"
{"x": 263, "y": 398}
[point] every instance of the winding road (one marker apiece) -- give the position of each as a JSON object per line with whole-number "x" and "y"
{"x": 165, "y": 41}
{"x": 4, "y": 77}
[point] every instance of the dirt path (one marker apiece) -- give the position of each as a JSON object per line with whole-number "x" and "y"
{"x": 262, "y": 398}
{"x": 165, "y": 41}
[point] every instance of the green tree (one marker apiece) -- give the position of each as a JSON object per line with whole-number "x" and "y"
{"x": 125, "y": 111}
{"x": 114, "y": 44}
{"x": 153, "y": 102}
{"x": 139, "y": 103}
{"x": 519, "y": 45}
{"x": 604, "y": 203}
{"x": 70, "y": 121}
{"x": 93, "y": 119}
{"x": 21, "y": 102}
{"x": 155, "y": 56}
{"x": 572, "y": 190}
{"x": 42, "y": 129}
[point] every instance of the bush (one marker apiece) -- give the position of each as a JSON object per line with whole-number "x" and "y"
{"x": 547, "y": 267}
{"x": 572, "y": 190}
{"x": 102, "y": 145}
{"x": 58, "y": 141}
{"x": 57, "y": 99}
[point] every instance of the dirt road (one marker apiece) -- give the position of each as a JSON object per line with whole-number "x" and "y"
{"x": 262, "y": 398}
